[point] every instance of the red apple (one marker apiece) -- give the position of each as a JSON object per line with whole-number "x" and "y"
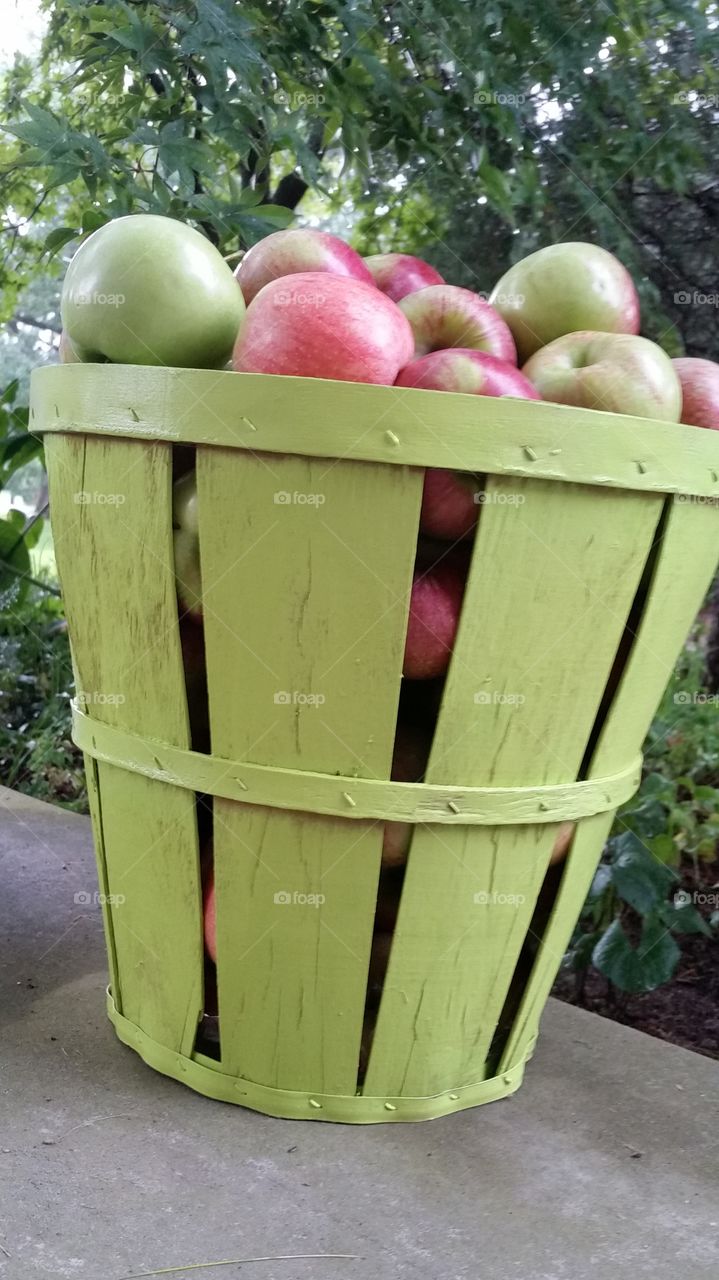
{"x": 562, "y": 843}
{"x": 411, "y": 750}
{"x": 449, "y": 501}
{"x": 700, "y": 391}
{"x": 398, "y": 274}
{"x": 616, "y": 372}
{"x": 443, "y": 315}
{"x": 434, "y": 610}
{"x": 467, "y": 370}
{"x": 565, "y": 288}
{"x": 315, "y": 325}
{"x": 210, "y": 918}
{"x": 285, "y": 253}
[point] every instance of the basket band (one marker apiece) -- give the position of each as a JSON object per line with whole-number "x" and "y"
{"x": 344, "y": 797}
{"x": 206, "y": 1076}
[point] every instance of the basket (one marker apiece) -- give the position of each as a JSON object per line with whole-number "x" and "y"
{"x": 597, "y": 539}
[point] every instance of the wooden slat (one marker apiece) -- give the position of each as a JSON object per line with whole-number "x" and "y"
{"x": 553, "y": 576}
{"x": 685, "y": 566}
{"x": 301, "y": 598}
{"x": 114, "y": 555}
{"x": 577, "y": 879}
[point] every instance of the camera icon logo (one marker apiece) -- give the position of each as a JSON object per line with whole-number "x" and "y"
{"x": 282, "y": 498}
{"x": 282, "y": 698}
{"x": 282, "y": 898}
{"x": 82, "y": 899}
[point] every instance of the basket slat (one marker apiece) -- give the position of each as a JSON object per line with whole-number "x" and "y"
{"x": 574, "y": 559}
{"x": 300, "y": 599}
{"x": 683, "y": 573}
{"x": 149, "y": 839}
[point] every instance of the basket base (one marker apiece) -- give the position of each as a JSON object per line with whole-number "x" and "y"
{"x": 204, "y": 1076}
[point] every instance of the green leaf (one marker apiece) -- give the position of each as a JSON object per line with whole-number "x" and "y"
{"x": 580, "y": 954}
{"x": 637, "y": 969}
{"x": 639, "y": 878}
{"x": 59, "y": 237}
{"x": 13, "y": 552}
{"x": 682, "y": 916}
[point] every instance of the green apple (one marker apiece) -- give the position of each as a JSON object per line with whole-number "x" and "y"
{"x": 564, "y": 288}
{"x": 186, "y": 539}
{"x": 151, "y": 290}
{"x": 617, "y": 372}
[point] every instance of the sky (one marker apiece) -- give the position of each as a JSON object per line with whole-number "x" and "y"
{"x": 20, "y": 28}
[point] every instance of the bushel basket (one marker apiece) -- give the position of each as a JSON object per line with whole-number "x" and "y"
{"x": 596, "y": 541}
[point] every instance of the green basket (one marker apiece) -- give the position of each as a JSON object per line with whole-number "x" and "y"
{"x": 596, "y": 542}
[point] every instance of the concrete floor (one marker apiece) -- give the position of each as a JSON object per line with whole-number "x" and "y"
{"x": 603, "y": 1165}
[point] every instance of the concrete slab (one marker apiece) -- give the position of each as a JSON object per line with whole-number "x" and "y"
{"x": 603, "y": 1165}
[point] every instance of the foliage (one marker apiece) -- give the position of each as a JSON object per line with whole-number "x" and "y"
{"x": 36, "y": 753}
{"x": 17, "y": 535}
{"x": 482, "y": 130}
{"x": 638, "y": 905}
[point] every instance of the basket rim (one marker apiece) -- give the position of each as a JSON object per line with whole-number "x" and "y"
{"x": 348, "y": 421}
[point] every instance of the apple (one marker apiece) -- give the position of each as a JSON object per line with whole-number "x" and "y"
{"x": 411, "y": 751}
{"x": 398, "y": 274}
{"x": 562, "y": 843}
{"x": 449, "y": 501}
{"x": 285, "y": 253}
{"x": 467, "y": 370}
{"x": 700, "y": 391}
{"x": 434, "y": 609}
{"x": 444, "y": 315}
{"x": 150, "y": 290}
{"x": 617, "y": 372}
{"x": 316, "y": 325}
{"x": 186, "y": 541}
{"x": 565, "y": 288}
{"x": 210, "y": 920}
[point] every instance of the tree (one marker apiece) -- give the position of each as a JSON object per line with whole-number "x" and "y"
{"x": 486, "y": 130}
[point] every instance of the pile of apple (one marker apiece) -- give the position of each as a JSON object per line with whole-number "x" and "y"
{"x": 150, "y": 290}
